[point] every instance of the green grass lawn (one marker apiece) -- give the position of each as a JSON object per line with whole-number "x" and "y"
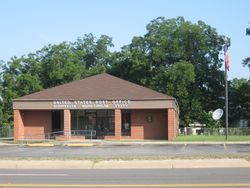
{"x": 211, "y": 138}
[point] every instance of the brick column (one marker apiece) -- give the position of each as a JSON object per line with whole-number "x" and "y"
{"x": 67, "y": 123}
{"x": 171, "y": 124}
{"x": 118, "y": 123}
{"x": 18, "y": 125}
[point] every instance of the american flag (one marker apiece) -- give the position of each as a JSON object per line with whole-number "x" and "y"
{"x": 227, "y": 62}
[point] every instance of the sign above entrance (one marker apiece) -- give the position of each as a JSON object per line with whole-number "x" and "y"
{"x": 88, "y": 104}
{"x": 94, "y": 104}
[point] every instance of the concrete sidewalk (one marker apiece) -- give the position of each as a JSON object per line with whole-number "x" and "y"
{"x": 123, "y": 164}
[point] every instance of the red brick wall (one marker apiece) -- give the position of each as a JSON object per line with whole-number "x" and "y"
{"x": 176, "y": 123}
{"x": 67, "y": 123}
{"x": 18, "y": 125}
{"x": 118, "y": 123}
{"x": 36, "y": 123}
{"x": 142, "y": 129}
{"x": 137, "y": 125}
{"x": 172, "y": 124}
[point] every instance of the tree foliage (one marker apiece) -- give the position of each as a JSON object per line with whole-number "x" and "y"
{"x": 246, "y": 62}
{"x": 51, "y": 66}
{"x": 164, "y": 55}
{"x": 239, "y": 99}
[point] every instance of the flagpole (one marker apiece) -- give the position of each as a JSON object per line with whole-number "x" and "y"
{"x": 226, "y": 102}
{"x": 226, "y": 96}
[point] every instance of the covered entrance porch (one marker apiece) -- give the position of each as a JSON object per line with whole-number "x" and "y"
{"x": 72, "y": 124}
{"x": 95, "y": 124}
{"x": 80, "y": 124}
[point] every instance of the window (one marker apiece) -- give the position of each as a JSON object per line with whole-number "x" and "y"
{"x": 126, "y": 123}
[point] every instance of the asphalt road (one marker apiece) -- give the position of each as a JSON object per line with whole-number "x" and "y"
{"x": 222, "y": 177}
{"x": 124, "y": 150}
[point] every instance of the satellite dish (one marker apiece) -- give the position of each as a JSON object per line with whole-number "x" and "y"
{"x": 217, "y": 114}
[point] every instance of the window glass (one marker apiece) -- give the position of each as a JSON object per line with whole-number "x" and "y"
{"x": 101, "y": 121}
{"x": 126, "y": 123}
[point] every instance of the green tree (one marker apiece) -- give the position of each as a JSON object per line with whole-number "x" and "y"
{"x": 180, "y": 77}
{"x": 58, "y": 65}
{"x": 51, "y": 66}
{"x": 131, "y": 64}
{"x": 171, "y": 41}
{"x": 239, "y": 103}
{"x": 94, "y": 54}
{"x": 246, "y": 62}
{"x": 15, "y": 76}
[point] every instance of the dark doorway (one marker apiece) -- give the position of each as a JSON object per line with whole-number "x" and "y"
{"x": 56, "y": 120}
{"x": 126, "y": 123}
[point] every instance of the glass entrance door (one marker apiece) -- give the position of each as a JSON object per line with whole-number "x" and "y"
{"x": 90, "y": 121}
{"x": 100, "y": 121}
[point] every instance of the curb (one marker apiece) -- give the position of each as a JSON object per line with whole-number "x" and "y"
{"x": 67, "y": 144}
{"x": 80, "y": 144}
{"x": 41, "y": 145}
{"x": 172, "y": 142}
{"x": 103, "y": 143}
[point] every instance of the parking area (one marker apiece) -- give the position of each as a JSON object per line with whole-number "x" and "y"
{"x": 122, "y": 150}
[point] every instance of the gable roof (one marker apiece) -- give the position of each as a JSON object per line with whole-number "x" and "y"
{"x": 99, "y": 87}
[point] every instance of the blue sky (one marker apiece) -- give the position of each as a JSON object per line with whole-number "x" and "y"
{"x": 28, "y": 25}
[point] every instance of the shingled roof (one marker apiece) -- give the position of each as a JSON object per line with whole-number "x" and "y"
{"x": 99, "y": 87}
